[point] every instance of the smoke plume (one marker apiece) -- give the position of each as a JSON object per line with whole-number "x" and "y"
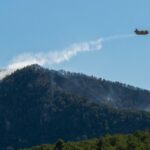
{"x": 57, "y": 57}
{"x": 50, "y": 58}
{"x": 118, "y": 37}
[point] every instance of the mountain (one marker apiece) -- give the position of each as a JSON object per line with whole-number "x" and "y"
{"x": 39, "y": 106}
{"x": 115, "y": 94}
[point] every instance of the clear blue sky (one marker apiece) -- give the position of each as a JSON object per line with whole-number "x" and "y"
{"x": 44, "y": 25}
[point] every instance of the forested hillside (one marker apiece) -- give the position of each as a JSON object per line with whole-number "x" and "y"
{"x": 115, "y": 94}
{"x": 36, "y": 108}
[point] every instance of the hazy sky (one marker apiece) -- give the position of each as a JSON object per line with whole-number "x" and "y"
{"x": 35, "y": 26}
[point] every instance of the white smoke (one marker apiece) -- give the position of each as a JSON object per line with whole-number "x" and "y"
{"x": 4, "y": 73}
{"x": 117, "y": 37}
{"x": 50, "y": 58}
{"x": 58, "y": 57}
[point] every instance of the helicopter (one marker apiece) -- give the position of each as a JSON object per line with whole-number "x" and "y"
{"x": 141, "y": 32}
